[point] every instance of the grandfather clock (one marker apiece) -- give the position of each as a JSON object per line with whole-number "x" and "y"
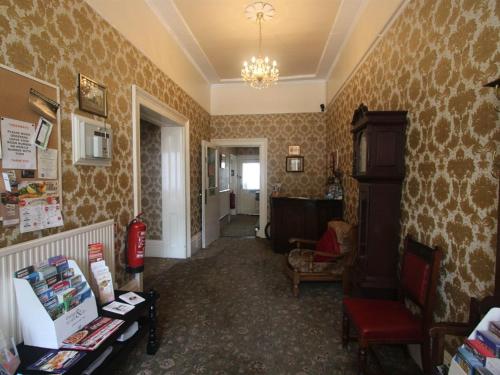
{"x": 378, "y": 165}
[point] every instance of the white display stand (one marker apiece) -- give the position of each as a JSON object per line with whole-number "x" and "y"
{"x": 38, "y": 327}
{"x": 492, "y": 315}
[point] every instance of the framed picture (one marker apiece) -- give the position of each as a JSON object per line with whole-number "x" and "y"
{"x": 293, "y": 150}
{"x": 92, "y": 96}
{"x": 295, "y": 164}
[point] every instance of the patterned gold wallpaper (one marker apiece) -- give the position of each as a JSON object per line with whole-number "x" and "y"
{"x": 55, "y": 40}
{"x": 151, "y": 199}
{"x": 433, "y": 62}
{"x": 308, "y": 130}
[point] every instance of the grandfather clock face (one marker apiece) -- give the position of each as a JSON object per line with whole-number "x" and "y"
{"x": 362, "y": 153}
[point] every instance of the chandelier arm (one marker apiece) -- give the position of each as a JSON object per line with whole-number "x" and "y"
{"x": 259, "y": 16}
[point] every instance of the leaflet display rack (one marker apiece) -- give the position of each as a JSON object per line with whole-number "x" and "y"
{"x": 492, "y": 315}
{"x": 38, "y": 327}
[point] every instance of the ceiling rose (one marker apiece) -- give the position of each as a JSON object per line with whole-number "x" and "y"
{"x": 260, "y": 72}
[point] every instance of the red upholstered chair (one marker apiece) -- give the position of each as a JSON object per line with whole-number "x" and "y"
{"x": 392, "y": 322}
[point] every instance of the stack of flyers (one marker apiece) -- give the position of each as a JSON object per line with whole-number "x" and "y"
{"x": 96, "y": 252}
{"x": 93, "y": 334}
{"x": 47, "y": 271}
{"x": 54, "y": 279}
{"x": 45, "y": 296}
{"x": 23, "y": 272}
{"x": 40, "y": 287}
{"x": 59, "y": 261}
{"x": 103, "y": 281}
{"x": 60, "y": 286}
{"x": 57, "y": 361}
{"x": 27, "y": 273}
{"x": 75, "y": 280}
{"x": 67, "y": 273}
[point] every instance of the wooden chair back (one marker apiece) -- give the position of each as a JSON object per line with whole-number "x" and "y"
{"x": 419, "y": 276}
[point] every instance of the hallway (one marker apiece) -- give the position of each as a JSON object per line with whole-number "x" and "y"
{"x": 240, "y": 226}
{"x": 229, "y": 310}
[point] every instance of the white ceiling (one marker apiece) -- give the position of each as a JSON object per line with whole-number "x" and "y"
{"x": 305, "y": 37}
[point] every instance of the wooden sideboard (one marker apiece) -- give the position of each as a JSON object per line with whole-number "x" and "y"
{"x": 300, "y": 218}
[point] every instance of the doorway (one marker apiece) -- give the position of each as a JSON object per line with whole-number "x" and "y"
{"x": 228, "y": 162}
{"x": 161, "y": 181}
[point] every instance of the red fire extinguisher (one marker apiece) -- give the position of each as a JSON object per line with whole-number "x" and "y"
{"x": 232, "y": 200}
{"x": 136, "y": 245}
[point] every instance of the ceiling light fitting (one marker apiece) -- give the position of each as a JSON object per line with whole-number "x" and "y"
{"x": 260, "y": 73}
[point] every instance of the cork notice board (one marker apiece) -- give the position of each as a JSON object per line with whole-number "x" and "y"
{"x": 14, "y": 104}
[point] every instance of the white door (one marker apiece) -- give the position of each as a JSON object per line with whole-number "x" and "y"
{"x": 210, "y": 229}
{"x": 173, "y": 192}
{"x": 248, "y": 185}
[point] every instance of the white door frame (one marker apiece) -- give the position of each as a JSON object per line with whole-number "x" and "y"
{"x": 141, "y": 97}
{"x": 213, "y": 227}
{"x": 261, "y": 143}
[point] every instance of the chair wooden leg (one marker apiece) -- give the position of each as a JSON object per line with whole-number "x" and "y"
{"x": 437, "y": 345}
{"x": 296, "y": 282}
{"x": 362, "y": 359}
{"x": 425, "y": 352}
{"x": 345, "y": 330}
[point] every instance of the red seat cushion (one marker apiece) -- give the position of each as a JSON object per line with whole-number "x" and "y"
{"x": 328, "y": 244}
{"x": 383, "y": 320}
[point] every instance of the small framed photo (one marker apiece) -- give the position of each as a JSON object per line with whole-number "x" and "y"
{"x": 92, "y": 96}
{"x": 293, "y": 150}
{"x": 295, "y": 164}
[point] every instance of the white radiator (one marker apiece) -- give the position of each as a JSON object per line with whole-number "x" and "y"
{"x": 73, "y": 244}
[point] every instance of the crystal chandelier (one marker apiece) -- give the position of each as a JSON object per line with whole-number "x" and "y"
{"x": 260, "y": 72}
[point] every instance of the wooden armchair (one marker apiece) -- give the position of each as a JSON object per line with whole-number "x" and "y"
{"x": 305, "y": 264}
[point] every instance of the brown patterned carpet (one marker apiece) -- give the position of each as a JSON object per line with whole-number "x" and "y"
{"x": 229, "y": 310}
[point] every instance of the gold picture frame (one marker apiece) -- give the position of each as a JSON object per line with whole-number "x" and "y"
{"x": 92, "y": 96}
{"x": 294, "y": 150}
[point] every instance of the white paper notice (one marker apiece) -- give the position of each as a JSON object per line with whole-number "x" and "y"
{"x": 47, "y": 163}
{"x": 31, "y": 214}
{"x": 17, "y": 148}
{"x": 37, "y": 213}
{"x": 53, "y": 216}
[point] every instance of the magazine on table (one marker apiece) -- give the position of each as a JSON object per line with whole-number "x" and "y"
{"x": 57, "y": 361}
{"x": 131, "y": 298}
{"x": 93, "y": 334}
{"x": 118, "y": 308}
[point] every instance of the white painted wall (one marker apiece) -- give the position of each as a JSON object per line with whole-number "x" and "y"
{"x": 372, "y": 20}
{"x": 138, "y": 23}
{"x": 284, "y": 97}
